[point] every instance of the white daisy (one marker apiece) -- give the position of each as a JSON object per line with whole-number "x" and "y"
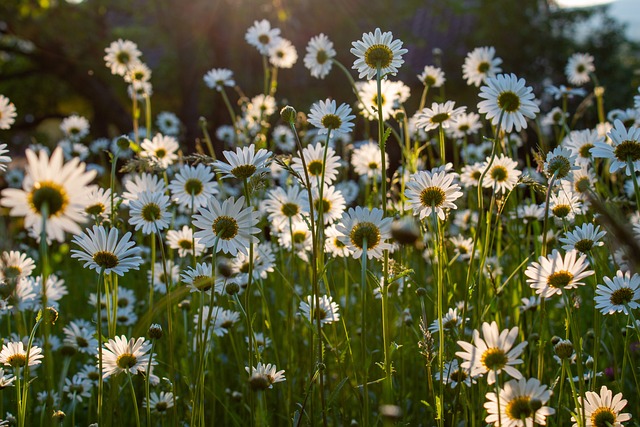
{"x": 578, "y": 68}
{"x": 244, "y": 163}
{"x": 602, "y": 409}
{"x": 193, "y": 186}
{"x": 450, "y": 322}
{"x": 492, "y": 353}
{"x": 481, "y": 64}
{"x": 267, "y": 372}
{"x": 327, "y": 118}
{"x": 507, "y": 96}
{"x": 624, "y": 148}
{"x": 201, "y": 279}
{"x": 218, "y": 78}
{"x": 620, "y": 293}
{"x": 161, "y": 150}
{"x": 282, "y": 54}
{"x": 512, "y": 407}
{"x": 139, "y": 183}
{"x": 319, "y": 57}
{"x": 137, "y": 72}
{"x": 502, "y": 176}
{"x": 362, "y": 228}
{"x": 377, "y": 50}
{"x": 565, "y": 205}
{"x": 101, "y": 250}
{"x": 444, "y": 115}
{"x": 554, "y": 273}
{"x": 328, "y": 311}
{"x": 454, "y": 375}
{"x": 332, "y": 243}
{"x": 283, "y": 205}
{"x": 368, "y": 94}
{"x": 228, "y": 226}
{"x": 122, "y": 355}
{"x": 429, "y": 192}
{"x": 75, "y": 127}
{"x": 465, "y": 124}
{"x": 77, "y": 388}
{"x": 284, "y": 138}
{"x": 580, "y": 142}
{"x": 150, "y": 212}
{"x": 313, "y": 156}
{"x": 121, "y": 55}
{"x": 60, "y": 187}
{"x": 262, "y": 36}
{"x": 168, "y": 123}
{"x": 98, "y": 203}
{"x": 583, "y": 238}
{"x": 432, "y": 76}
{"x": 159, "y": 403}
{"x": 183, "y": 241}
{"x": 7, "y": 112}
{"x": 81, "y": 336}
{"x": 14, "y": 354}
{"x": 15, "y": 265}
{"x": 366, "y": 161}
{"x": 332, "y": 204}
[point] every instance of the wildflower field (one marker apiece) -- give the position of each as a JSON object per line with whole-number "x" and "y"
{"x": 347, "y": 262}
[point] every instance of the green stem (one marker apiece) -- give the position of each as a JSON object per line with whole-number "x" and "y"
{"x": 135, "y": 402}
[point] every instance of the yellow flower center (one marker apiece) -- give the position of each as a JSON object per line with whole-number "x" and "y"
{"x": 243, "y": 171}
{"x": 331, "y": 121}
{"x": 560, "y": 279}
{"x": 519, "y": 408}
{"x": 126, "y": 361}
{"x": 508, "y": 102}
{"x": 603, "y": 417}
{"x": 225, "y": 227}
{"x": 193, "y": 186}
{"x": 50, "y": 194}
{"x": 621, "y": 296}
{"x": 105, "y": 259}
{"x": 365, "y": 231}
{"x": 378, "y": 55}
{"x": 494, "y": 359}
{"x": 627, "y": 150}
{"x": 432, "y": 197}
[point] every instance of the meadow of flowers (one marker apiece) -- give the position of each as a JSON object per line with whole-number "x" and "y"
{"x": 286, "y": 272}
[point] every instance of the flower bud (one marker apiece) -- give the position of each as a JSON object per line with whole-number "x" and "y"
{"x": 155, "y": 331}
{"x": 288, "y": 114}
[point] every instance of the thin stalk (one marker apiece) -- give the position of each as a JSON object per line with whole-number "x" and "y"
{"x": 100, "y": 379}
{"x": 135, "y": 401}
{"x": 363, "y": 284}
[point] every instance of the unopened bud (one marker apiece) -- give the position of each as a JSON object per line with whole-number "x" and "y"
{"x": 155, "y": 331}
{"x": 288, "y": 114}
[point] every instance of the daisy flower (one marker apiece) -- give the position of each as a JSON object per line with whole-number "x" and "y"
{"x": 332, "y": 243}
{"x": 138, "y": 72}
{"x": 505, "y": 96}
{"x": 183, "y": 241}
{"x": 77, "y": 388}
{"x": 578, "y": 68}
{"x": 465, "y": 124}
{"x": 432, "y": 76}
{"x": 368, "y": 94}
{"x": 620, "y": 293}
{"x": 624, "y": 148}
{"x": 228, "y": 226}
{"x": 150, "y": 212}
{"x": 122, "y": 355}
{"x": 7, "y": 112}
{"x": 263, "y": 263}
{"x": 139, "y": 183}
{"x": 98, "y": 203}
{"x": 267, "y": 375}
{"x": 58, "y": 187}
{"x": 450, "y": 322}
{"x": 282, "y": 54}
{"x": 193, "y": 186}
{"x": 284, "y": 138}
{"x": 319, "y": 57}
{"x": 481, "y": 64}
{"x": 470, "y": 176}
{"x": 15, "y": 355}
{"x": 260, "y": 108}
{"x": 140, "y": 90}
{"x": 15, "y": 265}
{"x": 6, "y": 380}
{"x": 563, "y": 91}
{"x": 580, "y": 142}
{"x": 121, "y": 55}
{"x": 313, "y": 156}
{"x": 502, "y": 176}
{"x": 602, "y": 409}
{"x": 366, "y": 161}
{"x": 561, "y": 162}
{"x": 283, "y": 205}
{"x": 327, "y": 118}
{"x": 438, "y": 115}
{"x": 159, "y": 403}
{"x": 161, "y": 281}
{"x": 554, "y": 273}
{"x": 4, "y": 160}
{"x": 583, "y": 238}
{"x": 244, "y": 163}
{"x": 80, "y": 336}
{"x": 296, "y": 238}
{"x": 462, "y": 247}
{"x": 201, "y": 279}
{"x": 513, "y": 406}
{"x": 565, "y": 205}
{"x": 261, "y": 36}
{"x": 332, "y": 204}
{"x": 362, "y": 228}
{"x": 492, "y": 353}
{"x": 100, "y": 250}
{"x": 218, "y": 78}
{"x": 161, "y": 150}
{"x": 328, "y": 309}
{"x": 429, "y": 193}
{"x": 377, "y": 50}
{"x": 75, "y": 127}
{"x": 555, "y": 117}
{"x": 168, "y": 123}
{"x": 454, "y": 375}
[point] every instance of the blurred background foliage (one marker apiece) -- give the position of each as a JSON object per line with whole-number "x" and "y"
{"x": 51, "y": 52}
